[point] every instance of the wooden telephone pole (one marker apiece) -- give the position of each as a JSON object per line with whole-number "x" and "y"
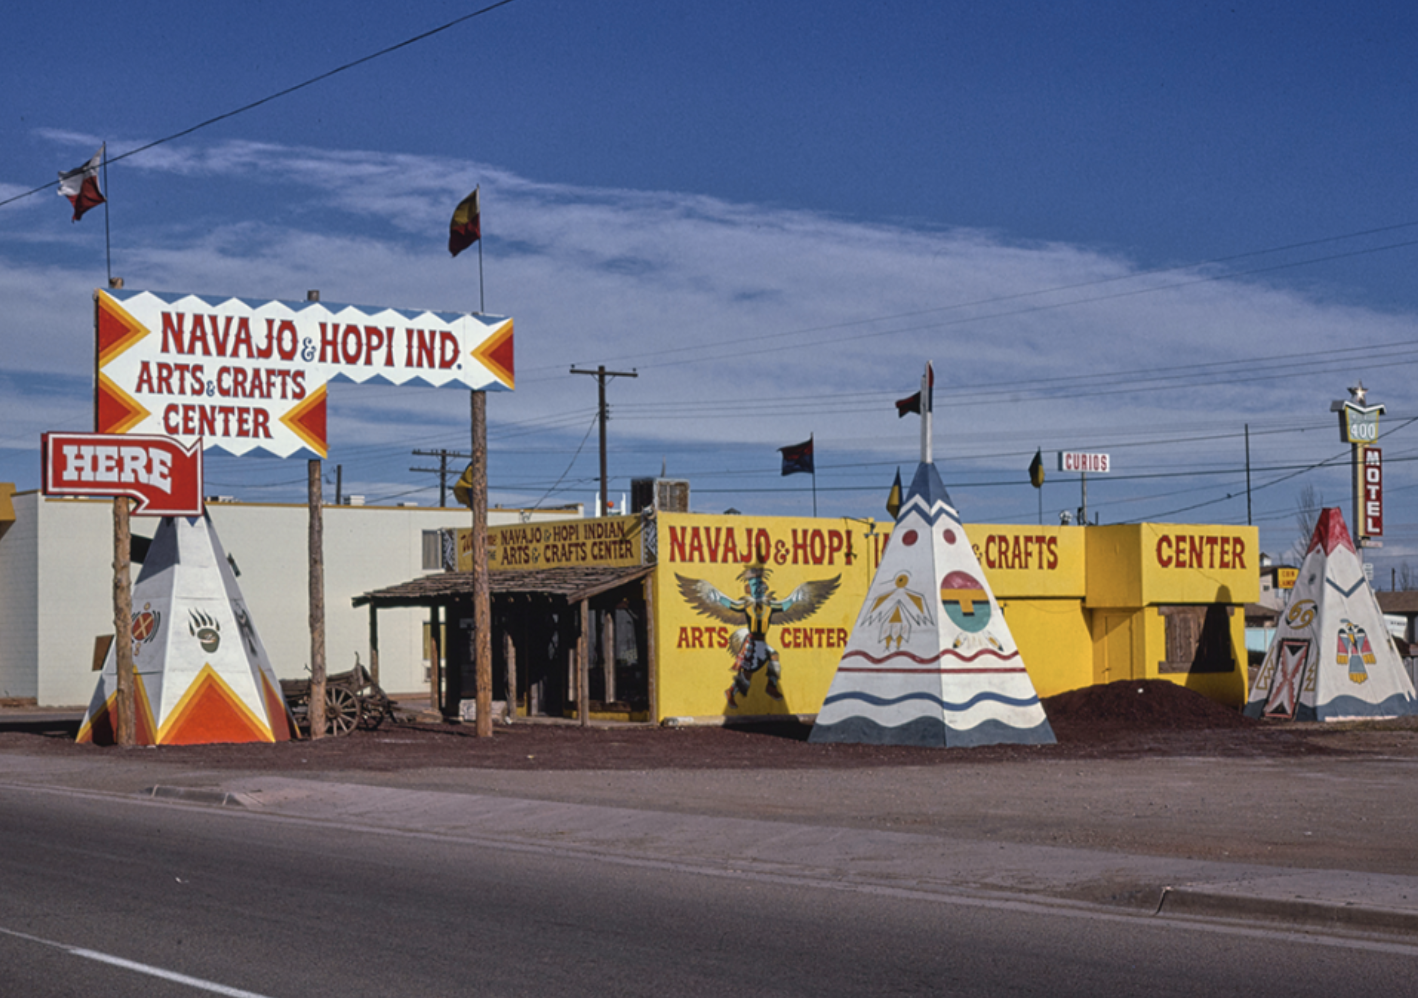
{"x": 315, "y": 547}
{"x": 601, "y": 374}
{"x": 125, "y": 728}
{"x": 442, "y": 470}
{"x": 482, "y": 596}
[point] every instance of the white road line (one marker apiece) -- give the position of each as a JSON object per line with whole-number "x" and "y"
{"x": 141, "y": 968}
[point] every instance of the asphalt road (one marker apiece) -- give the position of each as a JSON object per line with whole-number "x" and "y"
{"x": 235, "y": 901}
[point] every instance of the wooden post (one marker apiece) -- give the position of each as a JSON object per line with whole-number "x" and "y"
{"x": 652, "y": 664}
{"x": 373, "y": 644}
{"x": 608, "y": 652}
{"x": 583, "y": 666}
{"x": 509, "y": 655}
{"x": 316, "y": 710}
{"x": 573, "y": 675}
{"x": 482, "y": 599}
{"x": 125, "y": 726}
{"x": 435, "y": 662}
{"x": 457, "y": 652}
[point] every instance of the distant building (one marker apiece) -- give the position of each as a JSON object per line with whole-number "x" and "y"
{"x": 652, "y": 616}
{"x": 56, "y": 584}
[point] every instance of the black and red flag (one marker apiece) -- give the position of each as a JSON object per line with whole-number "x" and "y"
{"x": 797, "y": 458}
{"x": 913, "y": 404}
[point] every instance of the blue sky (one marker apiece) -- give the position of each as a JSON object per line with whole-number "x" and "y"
{"x": 1114, "y": 227}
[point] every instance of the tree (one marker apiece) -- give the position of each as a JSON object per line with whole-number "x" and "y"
{"x": 1307, "y": 511}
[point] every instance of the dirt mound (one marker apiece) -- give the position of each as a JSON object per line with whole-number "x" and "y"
{"x": 1138, "y": 705}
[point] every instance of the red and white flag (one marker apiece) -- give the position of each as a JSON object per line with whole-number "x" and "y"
{"x": 81, "y": 186}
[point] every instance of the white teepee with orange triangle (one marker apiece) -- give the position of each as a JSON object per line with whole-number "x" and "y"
{"x": 1332, "y": 658}
{"x": 201, "y": 673}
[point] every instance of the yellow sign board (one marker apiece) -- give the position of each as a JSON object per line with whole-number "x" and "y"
{"x": 1153, "y": 563}
{"x": 753, "y": 612}
{"x": 1285, "y": 577}
{"x": 614, "y": 541}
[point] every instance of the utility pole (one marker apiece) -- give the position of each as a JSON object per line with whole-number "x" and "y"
{"x": 315, "y": 547}
{"x": 601, "y": 374}
{"x": 482, "y": 592}
{"x": 442, "y": 470}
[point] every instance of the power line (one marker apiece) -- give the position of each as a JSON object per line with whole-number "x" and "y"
{"x": 722, "y": 344}
{"x": 280, "y": 93}
{"x": 442, "y": 470}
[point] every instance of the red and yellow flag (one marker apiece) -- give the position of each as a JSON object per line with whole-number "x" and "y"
{"x": 466, "y": 226}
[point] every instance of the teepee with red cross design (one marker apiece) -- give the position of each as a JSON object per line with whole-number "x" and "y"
{"x": 1332, "y": 658}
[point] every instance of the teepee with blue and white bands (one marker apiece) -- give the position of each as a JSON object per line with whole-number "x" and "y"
{"x": 931, "y": 661}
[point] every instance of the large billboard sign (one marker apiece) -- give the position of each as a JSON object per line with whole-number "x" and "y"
{"x": 248, "y": 376}
{"x": 163, "y": 475}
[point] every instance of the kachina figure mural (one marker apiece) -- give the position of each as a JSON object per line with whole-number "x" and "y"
{"x": 757, "y": 610}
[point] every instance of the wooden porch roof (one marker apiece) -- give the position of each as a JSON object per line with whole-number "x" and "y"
{"x": 442, "y": 588}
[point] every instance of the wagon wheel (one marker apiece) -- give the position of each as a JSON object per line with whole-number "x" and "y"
{"x": 341, "y": 710}
{"x": 373, "y": 709}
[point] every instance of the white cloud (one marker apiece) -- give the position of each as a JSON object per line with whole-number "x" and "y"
{"x": 750, "y": 326}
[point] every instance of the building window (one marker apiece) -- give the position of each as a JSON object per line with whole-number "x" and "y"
{"x": 1198, "y": 639}
{"x": 433, "y": 550}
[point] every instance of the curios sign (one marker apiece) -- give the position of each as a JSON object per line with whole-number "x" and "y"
{"x": 1087, "y": 463}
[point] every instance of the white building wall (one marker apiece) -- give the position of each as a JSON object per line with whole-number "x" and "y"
{"x": 73, "y": 575}
{"x": 19, "y": 602}
{"x": 365, "y": 547}
{"x": 56, "y": 587}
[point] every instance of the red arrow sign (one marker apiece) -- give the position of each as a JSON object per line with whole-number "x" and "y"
{"x": 164, "y": 476}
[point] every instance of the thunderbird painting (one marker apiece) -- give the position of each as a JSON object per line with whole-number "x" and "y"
{"x": 756, "y": 611}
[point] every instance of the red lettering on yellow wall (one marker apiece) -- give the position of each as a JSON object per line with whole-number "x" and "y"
{"x": 1022, "y": 552}
{"x": 1201, "y": 551}
{"x": 703, "y": 637}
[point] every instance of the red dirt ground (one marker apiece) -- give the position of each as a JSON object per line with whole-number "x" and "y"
{"x": 1125, "y": 719}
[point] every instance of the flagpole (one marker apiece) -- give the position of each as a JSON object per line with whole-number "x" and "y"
{"x": 813, "y": 451}
{"x": 482, "y": 304}
{"x": 927, "y": 404}
{"x": 107, "y": 248}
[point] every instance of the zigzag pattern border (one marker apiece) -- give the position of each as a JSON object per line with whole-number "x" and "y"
{"x": 334, "y": 308}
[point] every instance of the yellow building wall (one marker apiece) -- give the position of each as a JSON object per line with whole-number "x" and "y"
{"x": 1117, "y": 649}
{"x": 1133, "y": 565}
{"x": 1135, "y": 570}
{"x": 701, "y": 555}
{"x": 1031, "y": 562}
{"x": 1054, "y": 641}
{"x": 1081, "y": 602}
{"x": 1224, "y": 687}
{"x": 1039, "y": 577}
